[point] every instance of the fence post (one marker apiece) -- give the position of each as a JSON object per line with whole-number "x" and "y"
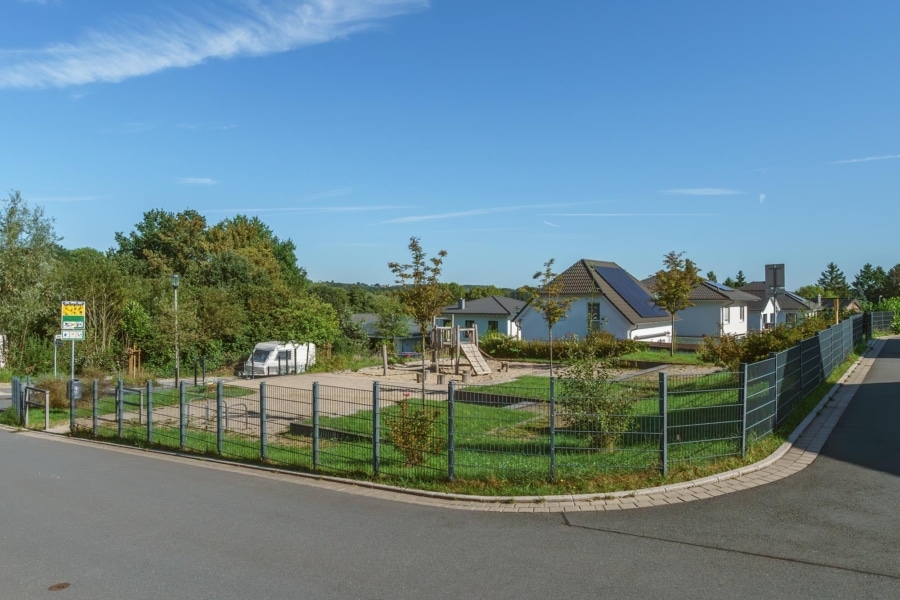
{"x": 15, "y": 395}
{"x": 742, "y": 394}
{"x": 119, "y": 394}
{"x": 376, "y": 427}
{"x": 664, "y": 423}
{"x": 182, "y": 416}
{"x": 149, "y": 412}
{"x": 263, "y": 438}
{"x": 553, "y": 429}
{"x": 219, "y": 431}
{"x": 72, "y": 406}
{"x": 315, "y": 419}
{"x": 94, "y": 394}
{"x": 451, "y": 431}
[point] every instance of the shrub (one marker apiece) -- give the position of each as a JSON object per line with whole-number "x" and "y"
{"x": 595, "y": 406}
{"x": 414, "y": 432}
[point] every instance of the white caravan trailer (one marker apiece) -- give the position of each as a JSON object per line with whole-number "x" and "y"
{"x": 279, "y": 358}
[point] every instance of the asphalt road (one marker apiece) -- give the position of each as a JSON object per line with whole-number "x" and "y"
{"x": 116, "y": 524}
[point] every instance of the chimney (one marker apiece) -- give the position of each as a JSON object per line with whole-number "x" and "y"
{"x": 462, "y": 304}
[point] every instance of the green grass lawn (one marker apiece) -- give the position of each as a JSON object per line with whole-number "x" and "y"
{"x": 506, "y": 451}
{"x": 664, "y": 356}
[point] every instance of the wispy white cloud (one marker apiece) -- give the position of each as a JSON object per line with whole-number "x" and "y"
{"x": 476, "y": 212}
{"x": 631, "y": 215}
{"x": 196, "y": 181}
{"x": 702, "y": 192}
{"x": 138, "y": 45}
{"x": 762, "y": 198}
{"x": 196, "y": 127}
{"x": 866, "y": 159}
{"x": 550, "y": 224}
{"x": 304, "y": 209}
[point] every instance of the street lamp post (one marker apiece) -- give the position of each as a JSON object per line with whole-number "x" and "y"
{"x": 175, "y": 288}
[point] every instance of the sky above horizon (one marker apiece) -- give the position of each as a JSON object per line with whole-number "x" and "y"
{"x": 504, "y": 132}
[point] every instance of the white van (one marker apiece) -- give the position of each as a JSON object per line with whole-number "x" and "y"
{"x": 279, "y": 358}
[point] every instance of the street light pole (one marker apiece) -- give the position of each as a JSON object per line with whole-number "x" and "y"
{"x": 177, "y": 366}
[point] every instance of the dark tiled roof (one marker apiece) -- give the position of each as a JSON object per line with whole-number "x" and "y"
{"x": 786, "y": 300}
{"x": 369, "y": 324}
{"x": 491, "y": 305}
{"x": 707, "y": 290}
{"x": 583, "y": 281}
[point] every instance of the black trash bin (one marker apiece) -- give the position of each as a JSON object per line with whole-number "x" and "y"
{"x": 75, "y": 389}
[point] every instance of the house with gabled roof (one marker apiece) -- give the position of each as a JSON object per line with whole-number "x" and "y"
{"x": 604, "y": 295}
{"x": 410, "y": 343}
{"x": 492, "y": 313}
{"x": 717, "y": 310}
{"x": 768, "y": 311}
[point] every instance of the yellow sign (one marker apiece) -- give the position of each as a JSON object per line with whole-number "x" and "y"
{"x": 73, "y": 309}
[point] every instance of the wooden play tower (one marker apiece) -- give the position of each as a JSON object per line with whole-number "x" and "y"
{"x": 460, "y": 342}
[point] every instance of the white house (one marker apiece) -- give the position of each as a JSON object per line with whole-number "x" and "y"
{"x": 493, "y": 313}
{"x": 717, "y": 310}
{"x": 783, "y": 308}
{"x": 604, "y": 295}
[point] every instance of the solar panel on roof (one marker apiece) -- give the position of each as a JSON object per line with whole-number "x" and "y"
{"x": 720, "y": 286}
{"x": 636, "y": 296}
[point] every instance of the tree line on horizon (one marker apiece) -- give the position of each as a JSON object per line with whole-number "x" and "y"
{"x": 239, "y": 284}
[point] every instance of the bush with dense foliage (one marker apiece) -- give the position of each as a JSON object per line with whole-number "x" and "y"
{"x": 602, "y": 344}
{"x": 729, "y": 351}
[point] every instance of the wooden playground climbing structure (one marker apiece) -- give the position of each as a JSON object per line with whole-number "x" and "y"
{"x": 460, "y": 342}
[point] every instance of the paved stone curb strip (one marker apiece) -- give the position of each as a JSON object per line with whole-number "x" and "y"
{"x": 796, "y": 454}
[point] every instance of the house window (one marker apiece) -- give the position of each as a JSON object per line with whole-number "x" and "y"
{"x": 727, "y": 318}
{"x": 493, "y": 326}
{"x": 790, "y": 318}
{"x": 470, "y": 324}
{"x": 593, "y": 310}
{"x": 742, "y": 313}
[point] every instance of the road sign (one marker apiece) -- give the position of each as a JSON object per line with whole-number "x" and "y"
{"x": 72, "y": 320}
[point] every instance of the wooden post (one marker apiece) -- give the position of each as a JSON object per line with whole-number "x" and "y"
{"x": 837, "y": 311}
{"x": 384, "y": 361}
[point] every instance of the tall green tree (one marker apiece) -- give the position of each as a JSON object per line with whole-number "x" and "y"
{"x": 393, "y": 322}
{"x": 28, "y": 256}
{"x": 711, "y": 276}
{"x": 100, "y": 281}
{"x": 810, "y": 292}
{"x": 165, "y": 243}
{"x": 893, "y": 282}
{"x": 834, "y": 282}
{"x": 739, "y": 281}
{"x": 547, "y": 299}
{"x": 421, "y": 291}
{"x": 870, "y": 283}
{"x": 673, "y": 285}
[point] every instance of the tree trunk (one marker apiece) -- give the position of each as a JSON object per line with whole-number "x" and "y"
{"x": 672, "y": 350}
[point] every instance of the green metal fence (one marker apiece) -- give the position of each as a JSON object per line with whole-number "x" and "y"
{"x": 548, "y": 429}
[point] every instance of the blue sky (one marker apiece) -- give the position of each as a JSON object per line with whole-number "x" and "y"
{"x": 506, "y": 132}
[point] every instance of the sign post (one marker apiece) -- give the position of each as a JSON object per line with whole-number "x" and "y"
{"x": 72, "y": 326}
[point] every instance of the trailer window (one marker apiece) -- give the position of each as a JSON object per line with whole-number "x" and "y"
{"x": 260, "y": 356}
{"x": 285, "y": 355}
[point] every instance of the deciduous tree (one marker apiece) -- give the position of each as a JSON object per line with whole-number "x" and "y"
{"x": 673, "y": 285}
{"x": 546, "y": 298}
{"x": 421, "y": 291}
{"x": 28, "y": 255}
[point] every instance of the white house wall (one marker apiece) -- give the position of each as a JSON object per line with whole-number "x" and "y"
{"x": 759, "y": 319}
{"x": 534, "y": 327}
{"x": 504, "y": 325}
